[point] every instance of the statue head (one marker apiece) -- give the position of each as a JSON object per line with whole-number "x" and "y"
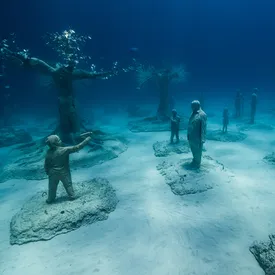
{"x": 195, "y": 105}
{"x": 174, "y": 112}
{"x": 53, "y": 141}
{"x": 70, "y": 66}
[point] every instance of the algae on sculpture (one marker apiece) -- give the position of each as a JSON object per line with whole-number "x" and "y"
{"x": 67, "y": 45}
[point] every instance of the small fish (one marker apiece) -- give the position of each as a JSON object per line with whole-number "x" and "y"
{"x": 7, "y": 86}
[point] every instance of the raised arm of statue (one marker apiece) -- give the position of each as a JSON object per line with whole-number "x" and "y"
{"x": 39, "y": 65}
{"x": 82, "y": 74}
{"x": 31, "y": 62}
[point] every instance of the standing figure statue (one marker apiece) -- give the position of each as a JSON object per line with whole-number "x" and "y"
{"x": 242, "y": 104}
{"x": 238, "y": 104}
{"x": 225, "y": 120}
{"x": 196, "y": 134}
{"x": 175, "y": 126}
{"x": 253, "y": 106}
{"x": 57, "y": 165}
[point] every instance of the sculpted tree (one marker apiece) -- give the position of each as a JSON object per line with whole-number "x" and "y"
{"x": 163, "y": 79}
{"x": 68, "y": 46}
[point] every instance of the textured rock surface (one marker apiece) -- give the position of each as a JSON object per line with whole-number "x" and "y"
{"x": 185, "y": 179}
{"x": 38, "y": 221}
{"x": 265, "y": 255}
{"x": 152, "y": 124}
{"x": 10, "y": 136}
{"x": 27, "y": 161}
{"x": 257, "y": 126}
{"x": 165, "y": 148}
{"x": 218, "y": 135}
{"x": 270, "y": 158}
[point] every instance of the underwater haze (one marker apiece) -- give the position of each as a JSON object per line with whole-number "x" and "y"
{"x": 137, "y": 137}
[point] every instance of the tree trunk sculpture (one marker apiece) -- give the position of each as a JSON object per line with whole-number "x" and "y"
{"x": 63, "y": 78}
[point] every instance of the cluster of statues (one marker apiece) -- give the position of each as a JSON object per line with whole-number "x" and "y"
{"x": 239, "y": 105}
{"x": 57, "y": 165}
{"x": 239, "y": 109}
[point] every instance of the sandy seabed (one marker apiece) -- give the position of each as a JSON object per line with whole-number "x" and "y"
{"x": 153, "y": 231}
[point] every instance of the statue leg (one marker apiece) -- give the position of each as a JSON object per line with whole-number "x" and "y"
{"x": 66, "y": 179}
{"x": 196, "y": 150}
{"x": 172, "y": 136}
{"x": 53, "y": 183}
{"x": 177, "y": 136}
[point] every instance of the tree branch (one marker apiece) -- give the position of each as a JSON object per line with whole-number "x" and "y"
{"x": 31, "y": 62}
{"x": 82, "y": 74}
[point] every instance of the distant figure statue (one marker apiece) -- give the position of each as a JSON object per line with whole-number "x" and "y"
{"x": 175, "y": 126}
{"x": 225, "y": 120}
{"x": 57, "y": 165}
{"x": 196, "y": 134}
{"x": 242, "y": 104}
{"x": 253, "y": 106}
{"x": 238, "y": 104}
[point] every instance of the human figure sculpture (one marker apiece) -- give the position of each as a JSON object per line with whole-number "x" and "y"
{"x": 253, "y": 106}
{"x": 196, "y": 133}
{"x": 225, "y": 120}
{"x": 63, "y": 76}
{"x": 175, "y": 126}
{"x": 57, "y": 165}
{"x": 238, "y": 104}
{"x": 241, "y": 104}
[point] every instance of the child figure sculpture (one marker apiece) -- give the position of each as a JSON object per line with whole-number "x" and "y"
{"x": 175, "y": 126}
{"x": 225, "y": 120}
{"x": 57, "y": 164}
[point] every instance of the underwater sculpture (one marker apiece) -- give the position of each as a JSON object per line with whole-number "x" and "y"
{"x": 67, "y": 45}
{"x": 239, "y": 104}
{"x": 39, "y": 221}
{"x": 163, "y": 78}
{"x": 57, "y": 165}
{"x": 225, "y": 120}
{"x": 253, "y": 106}
{"x": 196, "y": 133}
{"x": 104, "y": 147}
{"x": 175, "y": 126}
